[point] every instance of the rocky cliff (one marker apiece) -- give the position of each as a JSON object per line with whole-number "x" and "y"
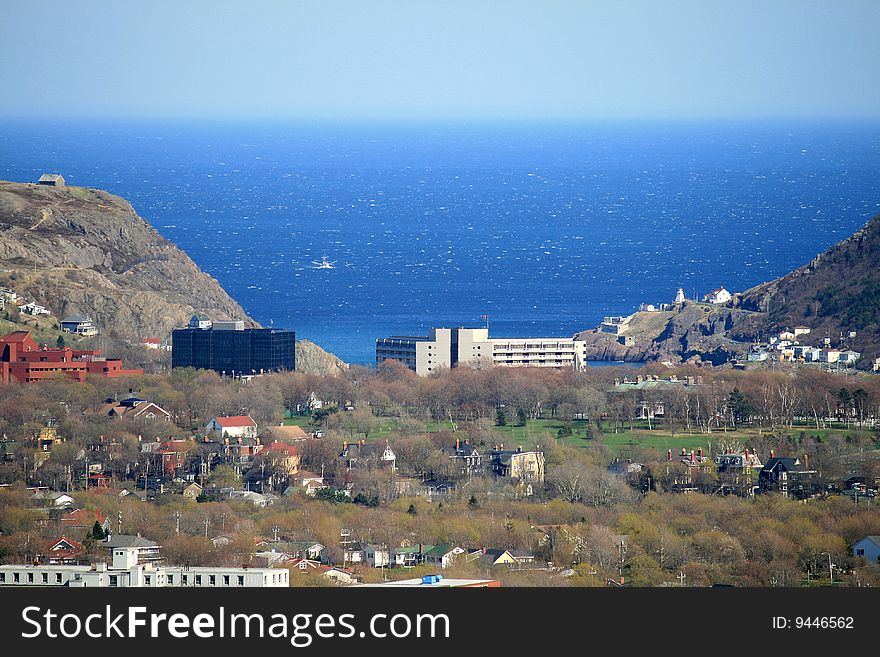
{"x": 79, "y": 250}
{"x": 836, "y": 294}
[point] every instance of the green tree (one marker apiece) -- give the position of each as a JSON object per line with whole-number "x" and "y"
{"x": 98, "y": 532}
{"x": 60, "y": 342}
{"x": 520, "y": 417}
{"x": 740, "y": 407}
{"x": 500, "y": 418}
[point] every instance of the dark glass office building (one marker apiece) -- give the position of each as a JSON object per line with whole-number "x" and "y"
{"x": 234, "y": 352}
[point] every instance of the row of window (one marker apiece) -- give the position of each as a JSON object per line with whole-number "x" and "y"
{"x": 57, "y": 578}
{"x": 44, "y": 578}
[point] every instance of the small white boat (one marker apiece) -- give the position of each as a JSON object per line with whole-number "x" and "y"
{"x": 324, "y": 263}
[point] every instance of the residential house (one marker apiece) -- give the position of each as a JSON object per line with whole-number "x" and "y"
{"x": 718, "y": 296}
{"x": 233, "y": 426}
{"x": 509, "y": 558}
{"x": 307, "y": 482}
{"x": 829, "y": 355}
{"x": 284, "y": 456}
{"x": 81, "y": 521}
{"x": 849, "y": 357}
{"x": 525, "y": 466}
{"x": 788, "y": 476}
{"x": 467, "y": 458}
{"x": 368, "y": 455}
{"x": 437, "y": 488}
{"x": 79, "y": 325}
{"x": 63, "y": 551}
{"x": 133, "y": 406}
{"x": 442, "y": 555}
{"x": 34, "y": 308}
{"x": 377, "y": 556}
{"x": 9, "y": 296}
{"x": 287, "y": 433}
{"x": 200, "y": 321}
{"x": 628, "y": 467}
{"x": 409, "y": 555}
{"x": 192, "y": 491}
{"x": 259, "y": 500}
{"x": 801, "y": 330}
{"x": 868, "y": 548}
{"x": 151, "y": 343}
{"x": 7, "y": 448}
{"x": 738, "y": 472}
{"x": 52, "y": 499}
{"x": 339, "y": 575}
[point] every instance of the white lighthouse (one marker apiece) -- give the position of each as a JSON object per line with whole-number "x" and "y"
{"x": 679, "y": 296}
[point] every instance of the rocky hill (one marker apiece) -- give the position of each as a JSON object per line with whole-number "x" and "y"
{"x": 81, "y": 250}
{"x": 838, "y": 292}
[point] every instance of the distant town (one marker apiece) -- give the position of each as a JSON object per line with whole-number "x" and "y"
{"x": 460, "y": 459}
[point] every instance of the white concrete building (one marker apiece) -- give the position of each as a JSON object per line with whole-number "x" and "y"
{"x": 124, "y": 571}
{"x": 446, "y": 348}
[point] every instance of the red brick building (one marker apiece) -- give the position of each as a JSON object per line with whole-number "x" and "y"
{"x": 22, "y": 360}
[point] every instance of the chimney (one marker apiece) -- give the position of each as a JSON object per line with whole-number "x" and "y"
{"x": 772, "y": 454}
{"x": 457, "y": 444}
{"x": 806, "y": 462}
{"x": 692, "y": 456}
{"x": 668, "y": 454}
{"x": 700, "y": 453}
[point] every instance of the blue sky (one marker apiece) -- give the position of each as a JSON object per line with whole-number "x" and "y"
{"x": 441, "y": 59}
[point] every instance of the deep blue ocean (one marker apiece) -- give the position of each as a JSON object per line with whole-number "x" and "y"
{"x": 545, "y": 227}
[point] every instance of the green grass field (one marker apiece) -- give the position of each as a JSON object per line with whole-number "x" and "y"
{"x": 638, "y": 436}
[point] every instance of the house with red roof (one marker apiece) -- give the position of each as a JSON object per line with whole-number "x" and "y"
{"x": 284, "y": 456}
{"x": 64, "y": 551}
{"x": 80, "y": 521}
{"x": 233, "y": 426}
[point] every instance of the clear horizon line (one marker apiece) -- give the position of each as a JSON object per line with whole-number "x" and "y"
{"x": 297, "y": 118}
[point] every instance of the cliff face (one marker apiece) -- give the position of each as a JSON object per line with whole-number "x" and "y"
{"x": 78, "y": 250}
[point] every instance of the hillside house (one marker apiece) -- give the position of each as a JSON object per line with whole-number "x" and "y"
{"x": 442, "y": 555}
{"x": 79, "y": 325}
{"x": 51, "y": 180}
{"x": 517, "y": 464}
{"x": 135, "y": 407}
{"x": 829, "y": 355}
{"x": 34, "y": 309}
{"x": 868, "y": 548}
{"x": 849, "y": 357}
{"x": 362, "y": 454}
{"x": 718, "y": 296}
{"x": 468, "y": 459}
{"x": 787, "y": 476}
